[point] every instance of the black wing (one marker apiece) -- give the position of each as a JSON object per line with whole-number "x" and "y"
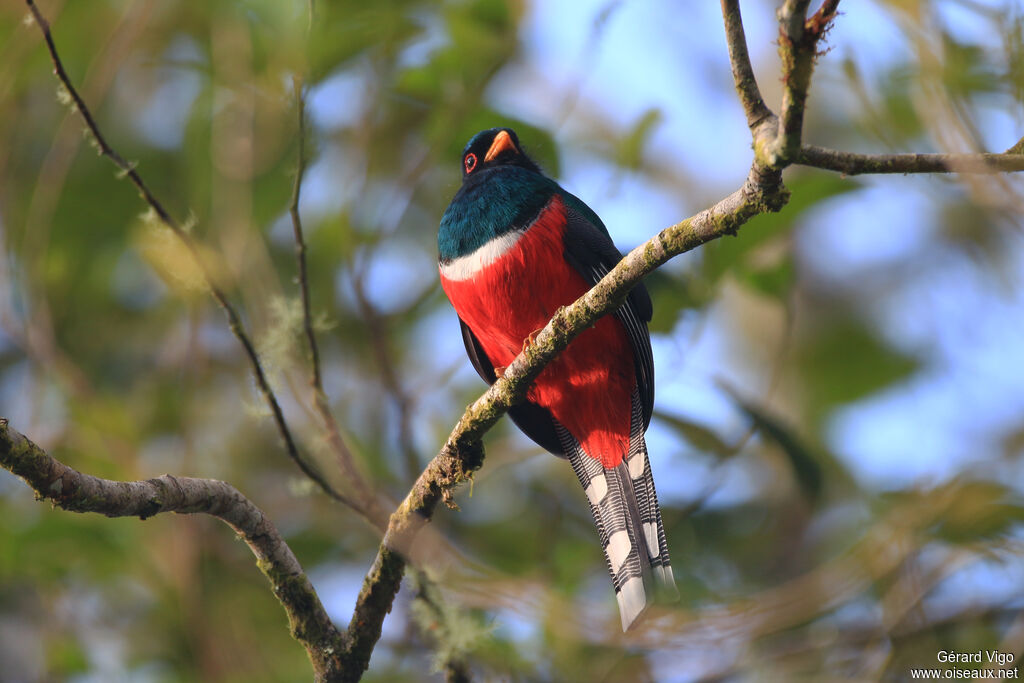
{"x": 593, "y": 254}
{"x": 534, "y": 421}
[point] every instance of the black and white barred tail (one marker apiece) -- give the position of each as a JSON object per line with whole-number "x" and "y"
{"x": 625, "y": 509}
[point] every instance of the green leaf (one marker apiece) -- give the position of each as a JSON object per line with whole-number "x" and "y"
{"x": 807, "y": 190}
{"x": 977, "y": 510}
{"x": 966, "y": 68}
{"x": 898, "y": 119}
{"x": 806, "y": 465}
{"x": 673, "y": 293}
{"x": 847, "y": 361}
{"x": 698, "y": 436}
{"x": 774, "y": 280}
{"x": 629, "y": 150}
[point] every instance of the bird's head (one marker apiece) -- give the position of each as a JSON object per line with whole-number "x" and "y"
{"x": 493, "y": 148}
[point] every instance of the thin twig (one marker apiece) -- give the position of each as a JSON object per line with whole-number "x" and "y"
{"x": 820, "y": 20}
{"x": 742, "y": 70}
{"x": 798, "y": 48}
{"x": 234, "y": 321}
{"x": 435, "y": 624}
{"x": 365, "y": 503}
{"x": 300, "y": 242}
{"x": 74, "y": 491}
{"x": 856, "y": 164}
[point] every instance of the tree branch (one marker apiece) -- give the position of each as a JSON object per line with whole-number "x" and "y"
{"x": 364, "y": 503}
{"x": 742, "y": 71}
{"x": 234, "y": 321}
{"x": 74, "y": 491}
{"x": 798, "y": 48}
{"x": 300, "y": 242}
{"x": 856, "y": 164}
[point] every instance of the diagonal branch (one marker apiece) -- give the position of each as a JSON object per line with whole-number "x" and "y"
{"x": 77, "y": 492}
{"x": 234, "y": 321}
{"x": 777, "y": 145}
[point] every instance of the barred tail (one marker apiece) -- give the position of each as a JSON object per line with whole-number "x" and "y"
{"x": 625, "y": 509}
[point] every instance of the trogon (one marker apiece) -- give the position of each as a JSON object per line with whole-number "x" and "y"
{"x": 514, "y": 247}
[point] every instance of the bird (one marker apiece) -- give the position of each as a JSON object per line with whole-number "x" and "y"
{"x": 514, "y": 247}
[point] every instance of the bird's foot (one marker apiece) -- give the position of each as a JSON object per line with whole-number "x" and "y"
{"x": 530, "y": 339}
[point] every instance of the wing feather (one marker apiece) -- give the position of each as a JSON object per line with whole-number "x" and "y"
{"x": 592, "y": 252}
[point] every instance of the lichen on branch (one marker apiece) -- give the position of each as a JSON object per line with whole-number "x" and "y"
{"x": 74, "y": 491}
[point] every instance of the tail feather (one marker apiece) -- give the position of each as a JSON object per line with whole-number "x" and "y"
{"x": 625, "y": 508}
{"x": 639, "y": 468}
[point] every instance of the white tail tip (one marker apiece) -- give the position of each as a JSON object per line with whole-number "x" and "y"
{"x": 632, "y": 601}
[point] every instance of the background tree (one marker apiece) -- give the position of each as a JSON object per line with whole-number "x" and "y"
{"x": 837, "y": 439}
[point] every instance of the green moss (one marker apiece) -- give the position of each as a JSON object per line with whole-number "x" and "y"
{"x": 764, "y": 151}
{"x": 307, "y": 621}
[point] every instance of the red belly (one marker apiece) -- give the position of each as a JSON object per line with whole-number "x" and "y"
{"x": 589, "y": 387}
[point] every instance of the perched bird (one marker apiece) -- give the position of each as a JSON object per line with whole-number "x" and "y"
{"x": 514, "y": 247}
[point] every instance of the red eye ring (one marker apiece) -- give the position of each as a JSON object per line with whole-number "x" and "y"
{"x": 470, "y": 162}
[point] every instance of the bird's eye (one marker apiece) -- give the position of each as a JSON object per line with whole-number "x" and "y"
{"x": 470, "y": 162}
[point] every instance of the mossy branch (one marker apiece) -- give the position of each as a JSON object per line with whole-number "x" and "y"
{"x": 847, "y": 163}
{"x": 74, "y": 491}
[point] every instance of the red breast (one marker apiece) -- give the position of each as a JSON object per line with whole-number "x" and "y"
{"x": 508, "y": 289}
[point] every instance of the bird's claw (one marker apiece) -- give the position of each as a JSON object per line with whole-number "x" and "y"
{"x": 530, "y": 339}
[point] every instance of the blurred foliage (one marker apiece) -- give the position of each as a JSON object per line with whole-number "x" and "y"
{"x": 792, "y": 562}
